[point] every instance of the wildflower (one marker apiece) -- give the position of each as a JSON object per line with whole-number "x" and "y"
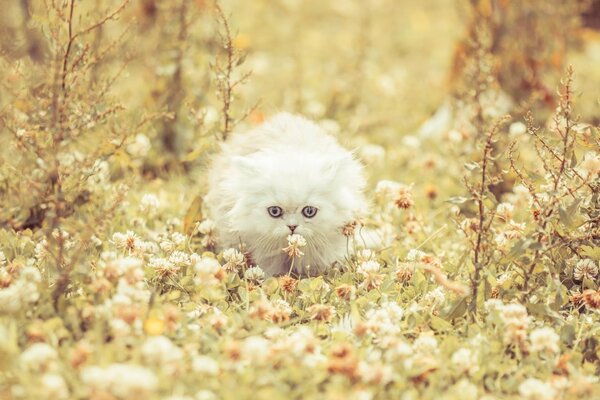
{"x": 149, "y": 204}
{"x": 160, "y": 350}
{"x": 54, "y": 386}
{"x": 343, "y": 361}
{"x": 179, "y": 258}
{"x": 403, "y": 198}
{"x": 349, "y": 228}
{"x": 415, "y": 255}
{"x": 38, "y": 357}
{"x": 345, "y": 292}
{"x": 505, "y": 211}
{"x": 535, "y": 389}
{"x": 126, "y": 381}
{"x": 288, "y": 284}
{"x": 591, "y": 298}
{"x": 205, "y": 365}
{"x": 255, "y": 274}
{"x": 163, "y": 267}
{"x": 590, "y": 164}
{"x": 585, "y": 269}
{"x": 404, "y": 272}
{"x": 41, "y": 250}
{"x": 206, "y": 271}
{"x": 206, "y": 227}
{"x": 2, "y": 259}
{"x": 255, "y": 348}
{"x": 128, "y": 267}
{"x": 465, "y": 360}
{"x": 515, "y": 319}
{"x": 280, "y": 311}
{"x": 321, "y": 312}
{"x": 365, "y": 255}
{"x": 234, "y": 259}
{"x": 140, "y": 146}
{"x": 517, "y": 128}
{"x": 426, "y": 344}
{"x": 295, "y": 242}
{"x": 127, "y": 241}
{"x": 544, "y": 339}
{"x": 385, "y": 320}
{"x": 435, "y": 297}
{"x": 368, "y": 267}
{"x": 374, "y": 373}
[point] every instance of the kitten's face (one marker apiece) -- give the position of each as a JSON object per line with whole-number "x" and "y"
{"x": 285, "y": 193}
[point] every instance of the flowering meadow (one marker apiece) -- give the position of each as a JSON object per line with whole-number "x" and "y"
{"x": 474, "y": 275}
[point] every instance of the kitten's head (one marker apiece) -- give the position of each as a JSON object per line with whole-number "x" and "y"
{"x": 285, "y": 191}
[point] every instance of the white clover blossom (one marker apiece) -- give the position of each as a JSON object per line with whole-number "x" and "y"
{"x": 295, "y": 243}
{"x": 415, "y": 255}
{"x": 122, "y": 380}
{"x": 365, "y": 255}
{"x": 54, "y": 386}
{"x": 140, "y": 147}
{"x": 234, "y": 259}
{"x": 38, "y": 357}
{"x": 178, "y": 238}
{"x": 426, "y": 344}
{"x": 535, "y": 389}
{"x": 255, "y": 274}
{"x": 206, "y": 227}
{"x": 517, "y": 128}
{"x": 591, "y": 164}
{"x": 585, "y": 269}
{"x": 179, "y": 258}
{"x": 149, "y": 204}
{"x": 465, "y": 360}
{"x": 368, "y": 267}
{"x": 505, "y": 211}
{"x": 544, "y": 340}
{"x": 127, "y": 241}
{"x": 435, "y": 297}
{"x": 205, "y": 365}
{"x": 160, "y": 350}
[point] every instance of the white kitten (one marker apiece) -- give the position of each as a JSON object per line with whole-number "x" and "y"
{"x": 285, "y": 176}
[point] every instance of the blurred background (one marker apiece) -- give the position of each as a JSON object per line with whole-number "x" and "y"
{"x": 146, "y": 83}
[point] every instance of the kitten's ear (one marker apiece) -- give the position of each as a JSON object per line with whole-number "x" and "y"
{"x": 244, "y": 165}
{"x": 333, "y": 167}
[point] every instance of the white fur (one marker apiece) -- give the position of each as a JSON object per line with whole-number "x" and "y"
{"x": 289, "y": 162}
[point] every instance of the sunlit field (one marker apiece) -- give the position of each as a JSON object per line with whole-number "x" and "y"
{"x": 474, "y": 274}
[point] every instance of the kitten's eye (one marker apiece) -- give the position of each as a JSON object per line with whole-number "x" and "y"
{"x": 275, "y": 211}
{"x": 309, "y": 211}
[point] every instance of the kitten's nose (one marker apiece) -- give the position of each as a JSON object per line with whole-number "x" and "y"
{"x": 292, "y": 227}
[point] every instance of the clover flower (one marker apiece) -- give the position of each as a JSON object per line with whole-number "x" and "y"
{"x": 532, "y": 388}
{"x": 404, "y": 197}
{"x": 544, "y": 340}
{"x": 295, "y": 242}
{"x": 321, "y": 312}
{"x": 465, "y": 360}
{"x": 39, "y": 357}
{"x": 205, "y": 365}
{"x": 255, "y": 274}
{"x": 590, "y": 164}
{"x": 149, "y": 204}
{"x": 127, "y": 381}
{"x": 585, "y": 269}
{"x": 54, "y": 386}
{"x": 234, "y": 260}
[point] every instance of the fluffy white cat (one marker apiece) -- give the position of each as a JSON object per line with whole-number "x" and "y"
{"x": 285, "y": 176}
